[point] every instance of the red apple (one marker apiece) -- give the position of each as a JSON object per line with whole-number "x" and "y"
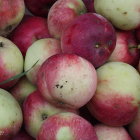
{"x": 89, "y": 5}
{"x": 29, "y": 30}
{"x": 66, "y": 126}
{"x": 126, "y": 49}
{"x": 22, "y": 89}
{"x": 62, "y": 13}
{"x": 67, "y": 80}
{"x": 90, "y": 36}
{"x": 11, "y": 62}
{"x": 22, "y": 135}
{"x": 39, "y": 8}
{"x": 105, "y": 132}
{"x": 116, "y": 99}
{"x": 134, "y": 127}
{"x": 36, "y": 110}
{"x": 11, "y": 13}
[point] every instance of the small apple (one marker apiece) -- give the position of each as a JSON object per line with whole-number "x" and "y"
{"x": 11, "y": 62}
{"x": 39, "y": 8}
{"x": 29, "y": 30}
{"x": 66, "y": 126}
{"x": 67, "y": 80}
{"x": 126, "y": 49}
{"x": 40, "y": 50}
{"x": 105, "y": 132}
{"x": 22, "y": 89}
{"x": 36, "y": 110}
{"x": 134, "y": 127}
{"x": 116, "y": 99}
{"x": 10, "y": 115}
{"x": 90, "y": 36}
{"x": 62, "y": 13}
{"x": 22, "y": 135}
{"x": 11, "y": 13}
{"x": 89, "y": 5}
{"x": 123, "y": 15}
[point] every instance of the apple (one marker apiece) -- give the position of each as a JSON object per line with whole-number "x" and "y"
{"x": 11, "y": 13}
{"x": 40, "y": 50}
{"x": 116, "y": 99}
{"x": 134, "y": 127}
{"x": 138, "y": 34}
{"x": 10, "y": 115}
{"x": 22, "y": 135}
{"x": 126, "y": 49}
{"x": 36, "y": 110}
{"x": 105, "y": 132}
{"x": 29, "y": 30}
{"x": 40, "y": 8}
{"x": 123, "y": 15}
{"x": 11, "y": 62}
{"x": 62, "y": 13}
{"x": 66, "y": 126}
{"x": 90, "y": 36}
{"x": 89, "y": 5}
{"x": 67, "y": 80}
{"x": 22, "y": 89}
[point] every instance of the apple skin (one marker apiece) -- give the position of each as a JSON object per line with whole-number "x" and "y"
{"x": 89, "y": 5}
{"x": 36, "y": 110}
{"x": 40, "y": 50}
{"x": 11, "y": 115}
{"x": 22, "y": 135}
{"x": 124, "y": 16}
{"x": 29, "y": 30}
{"x": 67, "y": 11}
{"x": 40, "y": 8}
{"x": 68, "y": 126}
{"x": 116, "y": 99}
{"x": 126, "y": 49}
{"x": 90, "y": 36}
{"x": 67, "y": 80}
{"x": 105, "y": 132}
{"x": 11, "y": 13}
{"x": 11, "y": 62}
{"x": 22, "y": 89}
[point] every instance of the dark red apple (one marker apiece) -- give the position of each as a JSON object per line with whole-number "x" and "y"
{"x": 90, "y": 36}
{"x": 126, "y": 49}
{"x": 39, "y": 8}
{"x": 29, "y": 30}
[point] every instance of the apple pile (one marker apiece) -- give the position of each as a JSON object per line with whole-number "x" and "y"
{"x": 69, "y": 70}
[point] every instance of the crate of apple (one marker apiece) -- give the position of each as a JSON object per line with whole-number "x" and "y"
{"x": 70, "y": 70}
